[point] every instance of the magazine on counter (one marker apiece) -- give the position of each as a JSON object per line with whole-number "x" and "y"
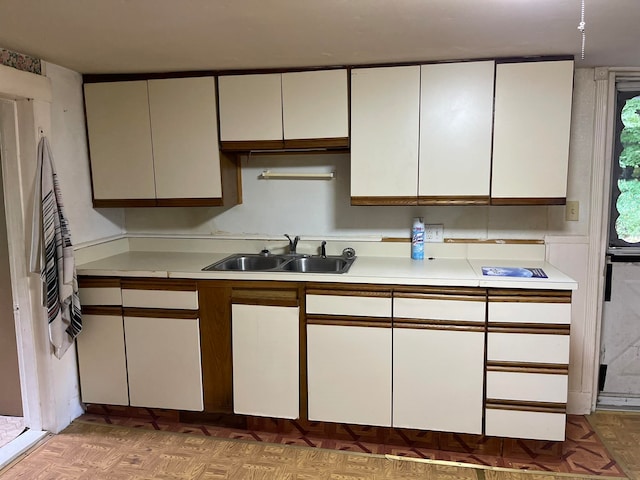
{"x": 513, "y": 272}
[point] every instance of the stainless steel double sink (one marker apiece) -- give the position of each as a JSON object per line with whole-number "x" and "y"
{"x": 283, "y": 263}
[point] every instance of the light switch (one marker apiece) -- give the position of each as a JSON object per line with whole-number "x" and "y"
{"x": 572, "y": 212}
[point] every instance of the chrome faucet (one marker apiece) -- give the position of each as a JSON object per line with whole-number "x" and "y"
{"x": 293, "y": 244}
{"x": 323, "y": 249}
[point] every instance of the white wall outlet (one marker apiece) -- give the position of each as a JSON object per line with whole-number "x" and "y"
{"x": 434, "y": 233}
{"x": 572, "y": 211}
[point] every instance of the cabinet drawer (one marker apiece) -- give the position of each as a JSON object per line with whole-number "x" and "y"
{"x": 100, "y": 296}
{"x": 528, "y": 347}
{"x": 526, "y": 312}
{"x": 366, "y": 306}
{"x": 178, "y": 299}
{"x": 432, "y": 309}
{"x": 525, "y": 424}
{"x": 530, "y": 387}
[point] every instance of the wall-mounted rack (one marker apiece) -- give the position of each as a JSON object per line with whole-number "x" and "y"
{"x": 268, "y": 175}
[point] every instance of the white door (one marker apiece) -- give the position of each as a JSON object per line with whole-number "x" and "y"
{"x": 185, "y": 137}
{"x": 119, "y": 133}
{"x": 385, "y": 117}
{"x": 266, "y": 370}
{"x": 349, "y": 374}
{"x": 620, "y": 350}
{"x": 456, "y": 121}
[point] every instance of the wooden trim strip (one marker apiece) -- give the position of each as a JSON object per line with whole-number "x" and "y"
{"x": 443, "y": 296}
{"x": 86, "y": 281}
{"x": 123, "y": 202}
{"x": 539, "y": 295}
{"x": 547, "y": 366}
{"x": 349, "y": 293}
{"x": 529, "y": 368}
{"x": 536, "y": 330}
{"x": 396, "y": 239}
{"x": 248, "y": 145}
{"x": 417, "y": 324}
{"x": 269, "y": 302}
{"x": 524, "y": 406}
{"x": 522, "y": 299}
{"x": 529, "y": 201}
{"x": 93, "y": 310}
{"x": 160, "y": 313}
{"x": 390, "y": 201}
{"x": 506, "y": 241}
{"x": 262, "y": 294}
{"x": 349, "y": 321}
{"x": 453, "y": 200}
{"x": 329, "y": 143}
{"x": 189, "y": 202}
{"x": 334, "y": 288}
{"x": 173, "y": 285}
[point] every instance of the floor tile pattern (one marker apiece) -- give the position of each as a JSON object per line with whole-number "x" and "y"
{"x": 95, "y": 452}
{"x": 582, "y": 452}
{"x": 10, "y": 428}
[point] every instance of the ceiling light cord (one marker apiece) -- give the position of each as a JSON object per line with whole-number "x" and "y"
{"x": 581, "y": 27}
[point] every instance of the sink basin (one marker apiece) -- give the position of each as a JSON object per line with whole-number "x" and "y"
{"x": 248, "y": 263}
{"x": 282, "y": 263}
{"x": 318, "y": 265}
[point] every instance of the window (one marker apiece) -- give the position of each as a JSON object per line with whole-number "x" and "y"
{"x": 624, "y": 222}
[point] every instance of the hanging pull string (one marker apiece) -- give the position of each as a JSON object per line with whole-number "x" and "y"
{"x": 581, "y": 27}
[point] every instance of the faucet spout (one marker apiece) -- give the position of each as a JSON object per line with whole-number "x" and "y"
{"x": 323, "y": 249}
{"x": 293, "y": 244}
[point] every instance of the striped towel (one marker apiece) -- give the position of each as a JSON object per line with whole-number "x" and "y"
{"x": 52, "y": 255}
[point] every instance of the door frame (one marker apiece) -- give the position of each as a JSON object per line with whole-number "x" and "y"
{"x": 603, "y": 152}
{"x": 25, "y": 110}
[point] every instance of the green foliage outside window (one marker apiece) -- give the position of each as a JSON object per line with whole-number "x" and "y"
{"x": 628, "y": 202}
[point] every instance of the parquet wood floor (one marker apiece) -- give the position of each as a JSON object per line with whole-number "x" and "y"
{"x": 96, "y": 452}
{"x": 620, "y": 431}
{"x": 87, "y": 451}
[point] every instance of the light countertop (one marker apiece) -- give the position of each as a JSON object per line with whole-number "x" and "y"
{"x": 382, "y": 270}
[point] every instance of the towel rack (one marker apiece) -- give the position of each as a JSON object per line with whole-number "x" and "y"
{"x": 268, "y": 175}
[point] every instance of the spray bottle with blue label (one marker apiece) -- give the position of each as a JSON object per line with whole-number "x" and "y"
{"x": 417, "y": 239}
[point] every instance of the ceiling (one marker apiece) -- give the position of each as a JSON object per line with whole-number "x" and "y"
{"x": 126, "y": 36}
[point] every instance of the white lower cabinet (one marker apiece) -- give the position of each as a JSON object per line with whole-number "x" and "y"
{"x": 163, "y": 362}
{"x": 102, "y": 363}
{"x": 266, "y": 370}
{"x": 438, "y": 359}
{"x": 349, "y": 374}
{"x": 527, "y": 364}
{"x": 438, "y": 380}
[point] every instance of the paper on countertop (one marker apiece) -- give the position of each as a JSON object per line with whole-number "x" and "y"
{"x": 513, "y": 272}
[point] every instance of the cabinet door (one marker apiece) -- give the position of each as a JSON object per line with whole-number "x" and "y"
{"x": 120, "y": 140}
{"x": 265, "y": 343}
{"x": 185, "y": 137}
{"x": 315, "y": 105}
{"x": 349, "y": 374}
{"x": 385, "y": 110}
{"x": 531, "y": 132}
{"x": 456, "y": 117}
{"x": 102, "y": 364}
{"x": 250, "y": 107}
{"x": 438, "y": 380}
{"x": 163, "y": 360}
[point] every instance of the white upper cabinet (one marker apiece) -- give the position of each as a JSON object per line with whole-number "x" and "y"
{"x": 185, "y": 137}
{"x": 456, "y": 116}
{"x": 531, "y": 132}
{"x": 385, "y": 114}
{"x": 250, "y": 107}
{"x": 315, "y": 104}
{"x": 155, "y": 142}
{"x": 269, "y": 110}
{"x": 120, "y": 140}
